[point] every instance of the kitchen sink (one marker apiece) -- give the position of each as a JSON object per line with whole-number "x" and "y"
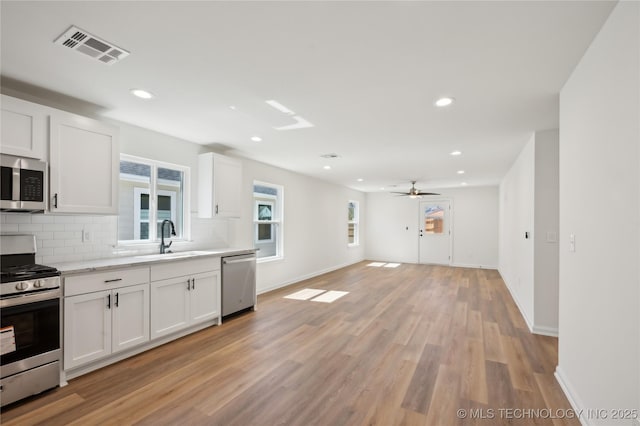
{"x": 176, "y": 255}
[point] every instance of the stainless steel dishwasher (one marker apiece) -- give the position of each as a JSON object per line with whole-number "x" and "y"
{"x": 238, "y": 283}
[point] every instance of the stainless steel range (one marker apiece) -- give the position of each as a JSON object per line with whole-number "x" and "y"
{"x": 30, "y": 351}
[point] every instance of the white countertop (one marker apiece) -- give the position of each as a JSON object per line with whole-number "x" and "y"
{"x": 145, "y": 259}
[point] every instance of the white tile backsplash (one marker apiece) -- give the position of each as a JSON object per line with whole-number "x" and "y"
{"x": 59, "y": 238}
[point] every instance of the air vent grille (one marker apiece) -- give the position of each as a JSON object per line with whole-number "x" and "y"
{"x": 95, "y": 47}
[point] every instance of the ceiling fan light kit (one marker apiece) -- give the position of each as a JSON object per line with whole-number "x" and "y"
{"x": 414, "y": 192}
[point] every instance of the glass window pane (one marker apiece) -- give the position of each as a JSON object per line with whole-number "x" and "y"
{"x": 351, "y": 232}
{"x": 267, "y": 216}
{"x": 135, "y": 181}
{"x": 170, "y": 197}
{"x": 144, "y": 230}
{"x": 164, "y": 203}
{"x": 434, "y": 219}
{"x": 268, "y": 246}
{"x": 352, "y": 211}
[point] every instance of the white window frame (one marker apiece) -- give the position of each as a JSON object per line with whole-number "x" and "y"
{"x": 277, "y": 222}
{"x": 153, "y": 192}
{"x": 355, "y": 223}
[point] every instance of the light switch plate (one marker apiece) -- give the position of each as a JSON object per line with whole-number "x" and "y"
{"x": 572, "y": 243}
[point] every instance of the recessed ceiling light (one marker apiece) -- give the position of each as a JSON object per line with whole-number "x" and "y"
{"x": 256, "y": 138}
{"x": 464, "y": 184}
{"x": 455, "y": 153}
{"x": 141, "y": 93}
{"x": 443, "y": 102}
{"x": 460, "y": 172}
{"x": 233, "y": 107}
{"x": 327, "y": 167}
{"x": 360, "y": 180}
{"x": 382, "y": 188}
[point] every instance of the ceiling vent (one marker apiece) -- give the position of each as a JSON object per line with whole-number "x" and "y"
{"x": 83, "y": 42}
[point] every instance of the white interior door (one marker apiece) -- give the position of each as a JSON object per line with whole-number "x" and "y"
{"x": 435, "y": 232}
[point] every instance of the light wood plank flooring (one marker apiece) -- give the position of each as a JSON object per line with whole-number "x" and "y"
{"x": 410, "y": 345}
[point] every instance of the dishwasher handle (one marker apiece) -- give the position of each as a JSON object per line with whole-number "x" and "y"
{"x": 232, "y": 261}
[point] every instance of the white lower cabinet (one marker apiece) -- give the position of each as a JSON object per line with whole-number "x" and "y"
{"x": 130, "y": 317}
{"x": 180, "y": 302}
{"x": 102, "y": 323}
{"x": 114, "y": 313}
{"x": 87, "y": 332}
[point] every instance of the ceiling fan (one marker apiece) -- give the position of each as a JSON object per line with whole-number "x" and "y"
{"x": 414, "y": 192}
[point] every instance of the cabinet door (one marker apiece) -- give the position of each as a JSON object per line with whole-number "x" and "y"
{"x": 227, "y": 184}
{"x": 84, "y": 165}
{"x": 205, "y": 297}
{"x": 130, "y": 318}
{"x": 87, "y": 328}
{"x": 23, "y": 128}
{"x": 219, "y": 186}
{"x": 169, "y": 306}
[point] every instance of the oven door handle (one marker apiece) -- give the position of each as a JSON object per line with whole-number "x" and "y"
{"x": 29, "y": 298}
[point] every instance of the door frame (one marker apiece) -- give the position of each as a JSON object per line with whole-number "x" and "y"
{"x": 435, "y": 200}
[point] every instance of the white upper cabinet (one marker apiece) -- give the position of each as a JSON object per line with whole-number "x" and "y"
{"x": 23, "y": 128}
{"x": 219, "y": 186}
{"x": 84, "y": 165}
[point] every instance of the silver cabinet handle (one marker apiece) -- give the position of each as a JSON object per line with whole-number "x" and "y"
{"x": 55, "y": 200}
{"x": 113, "y": 280}
{"x": 193, "y": 283}
{"x": 108, "y": 301}
{"x": 189, "y": 284}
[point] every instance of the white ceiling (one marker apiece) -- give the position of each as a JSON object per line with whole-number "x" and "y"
{"x": 366, "y": 74}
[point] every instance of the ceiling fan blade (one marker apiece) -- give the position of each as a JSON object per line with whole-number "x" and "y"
{"x": 401, "y": 193}
{"x": 427, "y": 193}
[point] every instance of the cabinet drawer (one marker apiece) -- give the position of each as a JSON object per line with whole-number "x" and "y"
{"x": 98, "y": 281}
{"x": 166, "y": 270}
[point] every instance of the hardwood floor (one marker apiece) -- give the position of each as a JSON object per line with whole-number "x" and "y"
{"x": 410, "y": 345}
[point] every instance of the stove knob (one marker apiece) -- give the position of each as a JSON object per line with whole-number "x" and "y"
{"x": 38, "y": 284}
{"x": 22, "y": 285}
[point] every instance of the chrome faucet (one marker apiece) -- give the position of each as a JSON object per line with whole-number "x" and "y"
{"x": 163, "y": 246}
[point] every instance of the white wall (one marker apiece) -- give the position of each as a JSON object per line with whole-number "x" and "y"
{"x": 517, "y": 217}
{"x": 314, "y": 225}
{"x": 529, "y": 204}
{"x": 393, "y": 226}
{"x": 599, "y": 355}
{"x": 545, "y": 232}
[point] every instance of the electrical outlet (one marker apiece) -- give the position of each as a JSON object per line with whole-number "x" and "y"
{"x": 86, "y": 235}
{"x": 572, "y": 243}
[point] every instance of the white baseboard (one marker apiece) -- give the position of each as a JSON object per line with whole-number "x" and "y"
{"x": 535, "y": 329}
{"x": 517, "y": 302}
{"x": 475, "y": 266}
{"x": 545, "y": 331}
{"x": 569, "y": 392}
{"x": 307, "y": 276}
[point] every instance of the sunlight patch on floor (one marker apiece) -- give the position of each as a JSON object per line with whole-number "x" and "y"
{"x": 305, "y": 294}
{"x": 330, "y": 296}
{"x": 384, "y": 264}
{"x": 317, "y": 295}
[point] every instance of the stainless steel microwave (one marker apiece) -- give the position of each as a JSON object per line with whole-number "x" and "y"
{"x": 24, "y": 184}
